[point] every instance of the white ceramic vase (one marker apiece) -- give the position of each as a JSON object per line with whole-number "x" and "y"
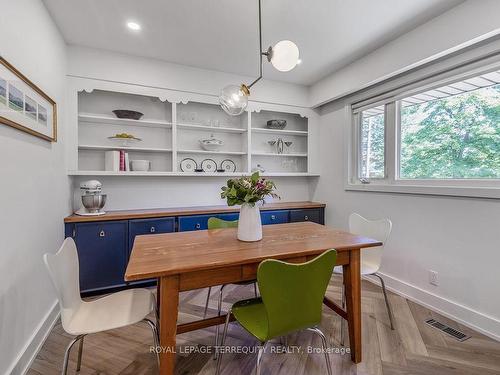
{"x": 249, "y": 224}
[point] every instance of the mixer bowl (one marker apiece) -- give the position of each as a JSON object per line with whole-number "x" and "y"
{"x": 94, "y": 202}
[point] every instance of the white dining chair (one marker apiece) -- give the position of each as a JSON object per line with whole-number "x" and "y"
{"x": 370, "y": 258}
{"x": 80, "y": 318}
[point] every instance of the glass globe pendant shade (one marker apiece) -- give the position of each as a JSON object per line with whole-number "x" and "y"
{"x": 285, "y": 55}
{"x": 234, "y": 99}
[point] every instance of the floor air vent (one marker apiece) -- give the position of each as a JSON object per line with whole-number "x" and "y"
{"x": 460, "y": 336}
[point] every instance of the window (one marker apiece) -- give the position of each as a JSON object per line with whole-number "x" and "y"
{"x": 452, "y": 132}
{"x": 372, "y": 143}
{"x": 432, "y": 133}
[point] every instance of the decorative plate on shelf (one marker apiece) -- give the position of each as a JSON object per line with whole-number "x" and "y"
{"x": 208, "y": 165}
{"x": 124, "y": 138}
{"x": 228, "y": 165}
{"x": 188, "y": 165}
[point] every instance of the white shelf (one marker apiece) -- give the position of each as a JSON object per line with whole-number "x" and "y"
{"x": 188, "y": 174}
{"x": 211, "y": 128}
{"x": 295, "y": 155}
{"x": 280, "y": 131}
{"x": 90, "y": 118}
{"x": 211, "y": 152}
{"x": 125, "y": 148}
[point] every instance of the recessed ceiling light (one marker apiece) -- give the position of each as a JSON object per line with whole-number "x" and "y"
{"x": 299, "y": 61}
{"x": 133, "y": 26}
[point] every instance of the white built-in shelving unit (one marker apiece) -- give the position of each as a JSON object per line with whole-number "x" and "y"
{"x": 172, "y": 127}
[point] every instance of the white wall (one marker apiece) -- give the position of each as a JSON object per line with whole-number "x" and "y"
{"x": 457, "y": 237}
{"x": 35, "y": 189}
{"x": 133, "y": 193}
{"x": 468, "y": 22}
{"x": 153, "y": 192}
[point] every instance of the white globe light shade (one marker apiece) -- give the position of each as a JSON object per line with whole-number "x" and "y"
{"x": 285, "y": 55}
{"x": 233, "y": 100}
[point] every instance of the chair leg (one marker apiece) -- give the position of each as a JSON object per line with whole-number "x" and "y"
{"x": 387, "y": 305}
{"x": 157, "y": 320}
{"x": 255, "y": 290}
{"x": 262, "y": 348}
{"x": 224, "y": 334}
{"x": 66, "y": 354}
{"x": 284, "y": 341}
{"x": 217, "y": 326}
{"x": 342, "y": 320}
{"x": 155, "y": 337}
{"x": 206, "y": 303}
{"x": 324, "y": 343}
{"x": 80, "y": 352}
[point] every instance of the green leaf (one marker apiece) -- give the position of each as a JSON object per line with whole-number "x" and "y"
{"x": 255, "y": 177}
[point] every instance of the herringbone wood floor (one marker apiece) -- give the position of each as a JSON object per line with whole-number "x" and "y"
{"x": 413, "y": 348}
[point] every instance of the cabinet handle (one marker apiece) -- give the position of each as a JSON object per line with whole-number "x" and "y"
{"x": 273, "y": 217}
{"x": 306, "y": 218}
{"x": 152, "y": 230}
{"x": 198, "y": 225}
{"x": 102, "y": 234}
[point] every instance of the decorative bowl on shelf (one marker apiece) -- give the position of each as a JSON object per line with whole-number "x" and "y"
{"x": 140, "y": 165}
{"x": 276, "y": 124}
{"x": 124, "y": 139}
{"x": 211, "y": 144}
{"x": 127, "y": 114}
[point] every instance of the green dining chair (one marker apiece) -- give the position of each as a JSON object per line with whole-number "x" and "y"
{"x": 291, "y": 300}
{"x": 216, "y": 223}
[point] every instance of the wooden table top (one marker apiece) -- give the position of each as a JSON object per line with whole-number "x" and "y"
{"x": 183, "y": 211}
{"x": 176, "y": 253}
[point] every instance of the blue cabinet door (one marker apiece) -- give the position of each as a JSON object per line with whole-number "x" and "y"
{"x": 312, "y": 214}
{"x": 195, "y": 222}
{"x": 148, "y": 226}
{"x": 102, "y": 253}
{"x": 143, "y": 227}
{"x": 275, "y": 217}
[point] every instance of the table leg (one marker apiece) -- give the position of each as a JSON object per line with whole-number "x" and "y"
{"x": 352, "y": 282}
{"x": 169, "y": 302}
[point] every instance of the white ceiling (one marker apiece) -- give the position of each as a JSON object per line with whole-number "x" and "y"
{"x": 222, "y": 34}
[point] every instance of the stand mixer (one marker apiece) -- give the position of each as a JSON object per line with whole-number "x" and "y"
{"x": 92, "y": 199}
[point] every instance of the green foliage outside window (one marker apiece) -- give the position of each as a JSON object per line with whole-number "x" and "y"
{"x": 456, "y": 137}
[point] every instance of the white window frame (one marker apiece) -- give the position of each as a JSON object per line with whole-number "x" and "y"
{"x": 479, "y": 188}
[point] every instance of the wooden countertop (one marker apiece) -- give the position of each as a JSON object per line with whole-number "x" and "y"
{"x": 184, "y": 211}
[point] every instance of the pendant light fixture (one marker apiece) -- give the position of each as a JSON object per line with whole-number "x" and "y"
{"x": 284, "y": 56}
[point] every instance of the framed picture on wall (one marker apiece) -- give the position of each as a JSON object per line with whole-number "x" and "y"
{"x": 24, "y": 106}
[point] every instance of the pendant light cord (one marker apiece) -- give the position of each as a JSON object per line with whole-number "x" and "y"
{"x": 261, "y": 53}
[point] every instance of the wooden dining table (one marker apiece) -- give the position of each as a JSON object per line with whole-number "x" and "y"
{"x": 185, "y": 261}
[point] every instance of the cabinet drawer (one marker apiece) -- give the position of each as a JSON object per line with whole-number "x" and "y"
{"x": 149, "y": 226}
{"x": 305, "y": 215}
{"x": 274, "y": 217}
{"x": 229, "y": 217}
{"x": 196, "y": 222}
{"x": 102, "y": 253}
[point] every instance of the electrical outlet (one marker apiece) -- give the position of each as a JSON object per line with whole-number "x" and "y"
{"x": 433, "y": 278}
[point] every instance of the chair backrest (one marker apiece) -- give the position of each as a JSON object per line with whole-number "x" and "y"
{"x": 216, "y": 223}
{"x": 376, "y": 229}
{"x": 63, "y": 268}
{"x": 293, "y": 293}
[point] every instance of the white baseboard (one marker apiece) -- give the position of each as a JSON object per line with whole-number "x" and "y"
{"x": 473, "y": 319}
{"x": 26, "y": 357}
